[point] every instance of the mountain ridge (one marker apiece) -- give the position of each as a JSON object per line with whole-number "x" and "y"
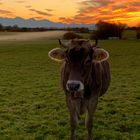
{"x": 33, "y": 23}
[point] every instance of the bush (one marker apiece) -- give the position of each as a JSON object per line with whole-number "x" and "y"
{"x": 71, "y": 35}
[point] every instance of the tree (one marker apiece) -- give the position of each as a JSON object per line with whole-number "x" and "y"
{"x": 15, "y": 28}
{"x": 106, "y": 30}
{"x": 121, "y": 27}
{"x": 138, "y": 32}
{"x": 1, "y": 27}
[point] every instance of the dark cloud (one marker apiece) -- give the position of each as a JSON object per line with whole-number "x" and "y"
{"x": 41, "y": 12}
{"x": 135, "y": 3}
{"x": 28, "y": 6}
{"x": 96, "y": 3}
{"x": 49, "y": 10}
{"x": 20, "y": 1}
{"x": 120, "y": 6}
{"x": 1, "y": 2}
{"x": 93, "y": 19}
{"x": 39, "y": 18}
{"x": 132, "y": 9}
{"x": 5, "y": 12}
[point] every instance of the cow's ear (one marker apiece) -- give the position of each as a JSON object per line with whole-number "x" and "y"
{"x": 57, "y": 54}
{"x": 100, "y": 55}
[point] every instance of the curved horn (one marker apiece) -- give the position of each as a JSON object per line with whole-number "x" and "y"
{"x": 62, "y": 44}
{"x": 96, "y": 42}
{"x": 93, "y": 45}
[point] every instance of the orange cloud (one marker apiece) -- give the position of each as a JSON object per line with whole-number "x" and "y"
{"x": 28, "y": 6}
{"x": 21, "y": 1}
{"x": 1, "y": 2}
{"x": 41, "y": 12}
{"x": 49, "y": 10}
{"x": 6, "y": 12}
{"x": 90, "y": 11}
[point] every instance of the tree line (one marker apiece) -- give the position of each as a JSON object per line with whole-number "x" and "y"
{"x": 104, "y": 30}
{"x": 16, "y": 28}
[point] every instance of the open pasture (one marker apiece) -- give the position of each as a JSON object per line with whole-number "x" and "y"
{"x": 24, "y": 36}
{"x": 32, "y": 104}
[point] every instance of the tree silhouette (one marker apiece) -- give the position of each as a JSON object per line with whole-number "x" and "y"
{"x": 106, "y": 30}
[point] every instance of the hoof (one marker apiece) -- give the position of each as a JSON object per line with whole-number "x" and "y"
{"x": 73, "y": 137}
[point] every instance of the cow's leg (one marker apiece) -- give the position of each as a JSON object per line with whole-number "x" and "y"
{"x": 89, "y": 118}
{"x": 73, "y": 122}
{"x": 73, "y": 117}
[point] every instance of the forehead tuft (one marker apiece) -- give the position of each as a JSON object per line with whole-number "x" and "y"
{"x": 78, "y": 43}
{"x": 78, "y": 49}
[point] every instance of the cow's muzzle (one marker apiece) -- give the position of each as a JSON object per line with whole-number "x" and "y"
{"x": 74, "y": 86}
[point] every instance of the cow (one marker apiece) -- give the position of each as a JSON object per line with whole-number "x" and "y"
{"x": 85, "y": 76}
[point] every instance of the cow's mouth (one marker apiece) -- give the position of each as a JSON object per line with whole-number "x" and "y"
{"x": 76, "y": 94}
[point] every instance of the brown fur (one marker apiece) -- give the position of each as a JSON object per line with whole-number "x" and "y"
{"x": 95, "y": 77}
{"x": 85, "y": 76}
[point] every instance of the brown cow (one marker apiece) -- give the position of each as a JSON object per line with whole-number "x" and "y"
{"x": 85, "y": 77}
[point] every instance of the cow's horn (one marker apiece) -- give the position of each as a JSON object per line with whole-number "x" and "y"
{"x": 62, "y": 44}
{"x": 96, "y": 42}
{"x": 94, "y": 45}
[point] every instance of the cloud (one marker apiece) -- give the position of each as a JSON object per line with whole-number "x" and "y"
{"x": 49, "y": 10}
{"x": 136, "y": 3}
{"x": 6, "y": 12}
{"x": 41, "y": 12}
{"x": 39, "y": 18}
{"x": 28, "y": 6}
{"x": 20, "y": 1}
{"x": 119, "y": 6}
{"x": 1, "y": 2}
{"x": 91, "y": 11}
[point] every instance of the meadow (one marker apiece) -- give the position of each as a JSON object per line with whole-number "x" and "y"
{"x": 32, "y": 103}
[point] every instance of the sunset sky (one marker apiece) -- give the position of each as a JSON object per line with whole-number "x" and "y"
{"x": 74, "y": 11}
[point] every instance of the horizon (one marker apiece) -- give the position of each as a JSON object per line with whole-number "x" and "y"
{"x": 73, "y": 12}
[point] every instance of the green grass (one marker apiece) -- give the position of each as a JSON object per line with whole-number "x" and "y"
{"x": 32, "y": 104}
{"x": 129, "y": 34}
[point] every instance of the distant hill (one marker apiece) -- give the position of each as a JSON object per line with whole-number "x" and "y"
{"x": 32, "y": 23}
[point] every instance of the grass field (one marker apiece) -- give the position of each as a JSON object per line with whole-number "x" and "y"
{"x": 129, "y": 34}
{"x": 24, "y": 36}
{"x": 32, "y": 104}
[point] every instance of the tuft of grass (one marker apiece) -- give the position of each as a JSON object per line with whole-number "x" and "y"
{"x": 32, "y": 104}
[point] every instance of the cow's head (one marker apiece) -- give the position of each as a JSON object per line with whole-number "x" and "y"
{"x": 79, "y": 56}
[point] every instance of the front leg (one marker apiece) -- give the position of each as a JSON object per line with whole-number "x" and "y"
{"x": 73, "y": 117}
{"x": 89, "y": 118}
{"x": 73, "y": 122}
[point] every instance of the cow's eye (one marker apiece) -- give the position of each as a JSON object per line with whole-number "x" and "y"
{"x": 87, "y": 60}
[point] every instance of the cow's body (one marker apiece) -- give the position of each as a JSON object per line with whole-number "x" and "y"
{"x": 93, "y": 79}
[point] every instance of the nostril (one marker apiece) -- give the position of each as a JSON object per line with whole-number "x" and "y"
{"x": 77, "y": 86}
{"x": 73, "y": 86}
